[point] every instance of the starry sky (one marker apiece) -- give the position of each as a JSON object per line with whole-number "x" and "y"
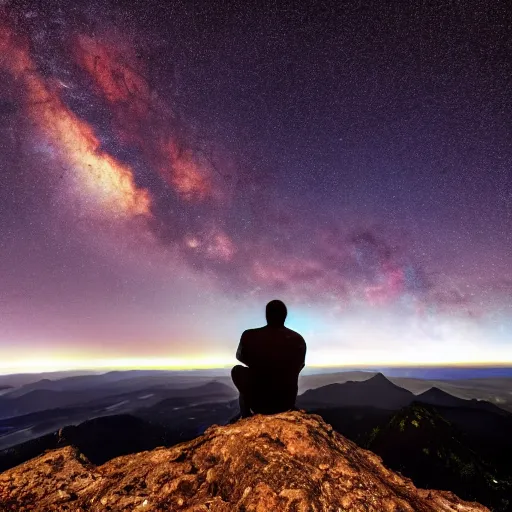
{"x": 168, "y": 168}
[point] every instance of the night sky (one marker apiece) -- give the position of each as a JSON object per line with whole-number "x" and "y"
{"x": 167, "y": 169}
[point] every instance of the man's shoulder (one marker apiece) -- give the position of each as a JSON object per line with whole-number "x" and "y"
{"x": 251, "y": 333}
{"x": 290, "y": 333}
{"x": 263, "y": 332}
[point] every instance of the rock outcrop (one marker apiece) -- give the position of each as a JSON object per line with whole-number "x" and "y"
{"x": 286, "y": 462}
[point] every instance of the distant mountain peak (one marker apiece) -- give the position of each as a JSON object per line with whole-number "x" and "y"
{"x": 289, "y": 460}
{"x": 439, "y": 397}
{"x": 379, "y": 378}
{"x": 434, "y": 391}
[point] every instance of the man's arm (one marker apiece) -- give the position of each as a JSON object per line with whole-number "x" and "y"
{"x": 302, "y": 353}
{"x": 296, "y": 354}
{"x": 241, "y": 352}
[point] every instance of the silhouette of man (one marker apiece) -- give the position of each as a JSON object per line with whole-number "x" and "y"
{"x": 274, "y": 355}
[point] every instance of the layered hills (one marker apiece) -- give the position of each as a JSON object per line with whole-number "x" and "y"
{"x": 439, "y": 440}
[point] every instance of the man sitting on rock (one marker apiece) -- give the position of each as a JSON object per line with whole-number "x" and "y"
{"x": 274, "y": 355}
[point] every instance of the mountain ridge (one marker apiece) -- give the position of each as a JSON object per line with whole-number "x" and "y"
{"x": 376, "y": 391}
{"x": 437, "y": 396}
{"x": 380, "y": 392}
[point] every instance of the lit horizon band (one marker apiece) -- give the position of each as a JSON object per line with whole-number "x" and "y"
{"x": 222, "y": 362}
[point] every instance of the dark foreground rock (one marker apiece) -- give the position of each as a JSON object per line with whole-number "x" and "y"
{"x": 287, "y": 462}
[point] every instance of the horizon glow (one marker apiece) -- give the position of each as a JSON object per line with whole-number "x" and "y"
{"x": 55, "y": 365}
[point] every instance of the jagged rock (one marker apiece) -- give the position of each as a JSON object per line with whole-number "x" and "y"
{"x": 287, "y": 462}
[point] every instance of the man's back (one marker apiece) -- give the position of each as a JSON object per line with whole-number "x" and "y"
{"x": 275, "y": 356}
{"x": 272, "y": 348}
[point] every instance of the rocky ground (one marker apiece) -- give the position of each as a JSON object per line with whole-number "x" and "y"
{"x": 287, "y": 462}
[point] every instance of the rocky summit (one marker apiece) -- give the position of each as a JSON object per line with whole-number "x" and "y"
{"x": 287, "y": 462}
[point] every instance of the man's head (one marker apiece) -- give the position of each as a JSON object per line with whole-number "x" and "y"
{"x": 276, "y": 313}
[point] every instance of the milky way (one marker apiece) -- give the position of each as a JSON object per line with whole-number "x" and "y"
{"x": 168, "y": 168}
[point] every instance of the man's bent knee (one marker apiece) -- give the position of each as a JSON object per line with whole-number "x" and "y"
{"x": 240, "y": 376}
